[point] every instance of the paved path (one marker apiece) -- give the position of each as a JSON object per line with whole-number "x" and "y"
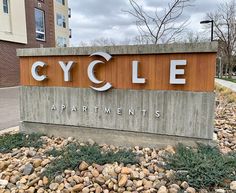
{"x": 9, "y": 107}
{"x": 227, "y": 84}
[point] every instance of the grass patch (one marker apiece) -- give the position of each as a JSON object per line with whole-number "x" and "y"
{"x": 72, "y": 155}
{"x": 54, "y": 152}
{"x": 18, "y": 140}
{"x": 205, "y": 166}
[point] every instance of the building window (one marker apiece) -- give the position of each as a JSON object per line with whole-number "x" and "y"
{"x": 70, "y": 34}
{"x": 39, "y": 24}
{"x": 69, "y": 12}
{"x": 61, "y": 2}
{"x": 61, "y": 20}
{"x": 5, "y": 6}
{"x": 61, "y": 41}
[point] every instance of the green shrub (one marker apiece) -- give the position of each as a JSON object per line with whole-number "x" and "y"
{"x": 203, "y": 167}
{"x": 72, "y": 155}
{"x": 18, "y": 140}
{"x": 54, "y": 152}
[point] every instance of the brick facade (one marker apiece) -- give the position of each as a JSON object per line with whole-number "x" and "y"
{"x": 48, "y": 9}
{"x": 9, "y": 62}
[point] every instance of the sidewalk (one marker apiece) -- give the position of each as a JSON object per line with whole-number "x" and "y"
{"x": 9, "y": 107}
{"x": 227, "y": 84}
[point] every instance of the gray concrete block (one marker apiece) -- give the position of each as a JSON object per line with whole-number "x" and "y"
{"x": 183, "y": 114}
{"x": 123, "y": 50}
{"x": 111, "y": 137}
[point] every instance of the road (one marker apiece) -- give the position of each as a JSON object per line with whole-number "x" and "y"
{"x": 9, "y": 107}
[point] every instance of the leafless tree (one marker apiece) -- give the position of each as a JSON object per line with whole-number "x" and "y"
{"x": 106, "y": 42}
{"x": 164, "y": 25}
{"x": 103, "y": 42}
{"x": 224, "y": 19}
{"x": 194, "y": 37}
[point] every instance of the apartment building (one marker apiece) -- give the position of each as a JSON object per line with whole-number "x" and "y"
{"x": 29, "y": 24}
{"x": 62, "y": 14}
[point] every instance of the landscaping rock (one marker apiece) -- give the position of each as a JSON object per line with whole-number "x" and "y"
{"x": 125, "y": 170}
{"x": 220, "y": 191}
{"x": 45, "y": 180}
{"x": 162, "y": 189}
{"x": 123, "y": 180}
{"x": 91, "y": 142}
{"x": 173, "y": 190}
{"x": 28, "y": 169}
{"x": 233, "y": 185}
{"x": 100, "y": 180}
{"x": 37, "y": 163}
{"x": 77, "y": 188}
{"x": 53, "y": 186}
{"x": 184, "y": 185}
{"x": 83, "y": 166}
{"x": 45, "y": 162}
{"x": 58, "y": 179}
{"x": 3, "y": 183}
{"x": 190, "y": 190}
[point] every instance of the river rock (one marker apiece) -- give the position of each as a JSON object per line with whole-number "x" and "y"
{"x": 233, "y": 185}
{"x": 123, "y": 180}
{"x": 83, "y": 166}
{"x": 28, "y": 169}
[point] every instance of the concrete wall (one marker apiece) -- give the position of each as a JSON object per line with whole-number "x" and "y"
{"x": 112, "y": 137}
{"x": 188, "y": 114}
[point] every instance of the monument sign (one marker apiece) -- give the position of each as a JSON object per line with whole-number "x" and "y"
{"x": 150, "y": 94}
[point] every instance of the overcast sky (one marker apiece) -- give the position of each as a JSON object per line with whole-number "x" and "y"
{"x": 94, "y": 19}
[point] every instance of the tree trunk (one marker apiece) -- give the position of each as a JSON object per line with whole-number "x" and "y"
{"x": 230, "y": 71}
{"x": 226, "y": 69}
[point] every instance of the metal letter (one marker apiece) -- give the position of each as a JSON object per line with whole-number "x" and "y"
{"x": 96, "y": 109}
{"x": 174, "y": 71}
{"x": 144, "y": 112}
{"x": 63, "y": 107}
{"x": 66, "y": 69}
{"x": 157, "y": 114}
{"x": 91, "y": 74}
{"x": 131, "y": 112}
{"x": 53, "y": 108}
{"x": 107, "y": 111}
{"x": 119, "y": 111}
{"x": 135, "y": 78}
{"x": 74, "y": 109}
{"x": 85, "y": 108}
{"x": 34, "y": 71}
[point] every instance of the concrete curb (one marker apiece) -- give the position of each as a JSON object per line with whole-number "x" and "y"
{"x": 9, "y": 130}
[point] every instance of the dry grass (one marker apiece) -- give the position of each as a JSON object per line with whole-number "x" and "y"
{"x": 228, "y": 95}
